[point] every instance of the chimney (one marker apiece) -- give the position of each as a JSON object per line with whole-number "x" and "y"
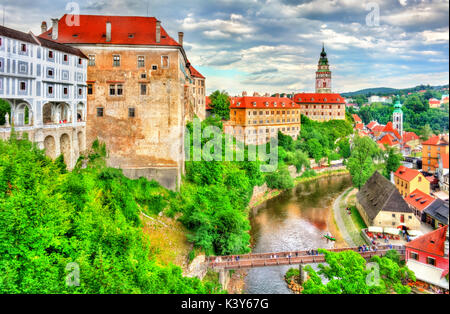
{"x": 55, "y": 29}
{"x": 244, "y": 94}
{"x": 277, "y": 95}
{"x": 158, "y": 31}
{"x": 180, "y": 38}
{"x": 43, "y": 27}
{"x": 108, "y": 31}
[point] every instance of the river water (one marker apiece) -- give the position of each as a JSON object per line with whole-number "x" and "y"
{"x": 294, "y": 220}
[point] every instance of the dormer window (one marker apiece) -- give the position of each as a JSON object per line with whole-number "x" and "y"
{"x": 238, "y": 104}
{"x": 254, "y": 104}
{"x": 267, "y": 104}
{"x": 312, "y": 99}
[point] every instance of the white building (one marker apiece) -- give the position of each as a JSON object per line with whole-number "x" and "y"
{"x": 44, "y": 83}
{"x": 382, "y": 99}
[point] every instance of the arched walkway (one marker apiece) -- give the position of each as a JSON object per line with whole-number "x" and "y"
{"x": 23, "y": 115}
{"x": 63, "y": 113}
{"x": 50, "y": 146}
{"x": 65, "y": 148}
{"x": 47, "y": 114}
{"x": 81, "y": 116}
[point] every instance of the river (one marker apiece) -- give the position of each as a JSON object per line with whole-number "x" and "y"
{"x": 294, "y": 220}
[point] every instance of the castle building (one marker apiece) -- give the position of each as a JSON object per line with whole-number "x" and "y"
{"x": 140, "y": 92}
{"x": 44, "y": 84}
{"x": 254, "y": 120}
{"x": 323, "y": 105}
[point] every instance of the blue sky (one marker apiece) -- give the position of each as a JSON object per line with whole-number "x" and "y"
{"x": 273, "y": 45}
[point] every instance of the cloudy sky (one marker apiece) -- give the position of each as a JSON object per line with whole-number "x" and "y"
{"x": 273, "y": 45}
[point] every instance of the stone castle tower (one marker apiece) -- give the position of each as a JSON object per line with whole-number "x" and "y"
{"x": 323, "y": 74}
{"x": 398, "y": 117}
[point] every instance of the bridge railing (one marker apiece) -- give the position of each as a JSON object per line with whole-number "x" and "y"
{"x": 304, "y": 259}
{"x": 292, "y": 254}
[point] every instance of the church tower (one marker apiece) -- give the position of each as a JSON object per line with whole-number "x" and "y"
{"x": 323, "y": 74}
{"x": 398, "y": 117}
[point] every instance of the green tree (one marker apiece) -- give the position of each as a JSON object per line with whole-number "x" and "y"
{"x": 220, "y": 103}
{"x": 425, "y": 132}
{"x": 392, "y": 160}
{"x": 361, "y": 164}
{"x": 4, "y": 109}
{"x": 347, "y": 273}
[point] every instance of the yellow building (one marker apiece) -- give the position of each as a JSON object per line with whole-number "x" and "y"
{"x": 408, "y": 180}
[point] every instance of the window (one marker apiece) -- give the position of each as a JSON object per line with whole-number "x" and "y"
{"x": 90, "y": 89}
{"x": 431, "y": 261}
{"x": 393, "y": 215}
{"x": 23, "y": 48}
{"x": 112, "y": 90}
{"x": 0, "y": 41}
{"x": 66, "y": 91}
{"x": 23, "y": 86}
{"x": 80, "y": 91}
{"x": 119, "y": 90}
{"x": 50, "y": 72}
{"x": 131, "y": 112}
{"x": 154, "y": 67}
{"x": 99, "y": 112}
{"x": 80, "y": 61}
{"x": 141, "y": 62}
{"x": 65, "y": 58}
{"x": 116, "y": 60}
{"x": 91, "y": 60}
{"x": 414, "y": 256}
{"x": 50, "y": 90}
{"x": 143, "y": 89}
{"x": 50, "y": 54}
{"x": 143, "y": 76}
{"x": 165, "y": 62}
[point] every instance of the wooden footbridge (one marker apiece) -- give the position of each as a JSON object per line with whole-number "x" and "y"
{"x": 289, "y": 258}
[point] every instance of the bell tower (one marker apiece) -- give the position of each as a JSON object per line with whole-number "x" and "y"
{"x": 323, "y": 74}
{"x": 397, "y": 117}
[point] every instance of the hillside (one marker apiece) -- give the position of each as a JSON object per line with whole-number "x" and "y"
{"x": 384, "y": 91}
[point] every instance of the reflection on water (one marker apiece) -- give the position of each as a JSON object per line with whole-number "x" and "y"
{"x": 294, "y": 220}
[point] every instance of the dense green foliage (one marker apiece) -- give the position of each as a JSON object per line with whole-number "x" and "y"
{"x": 361, "y": 161}
{"x": 214, "y": 200}
{"x": 348, "y": 273}
{"x": 392, "y": 160}
{"x": 220, "y": 104}
{"x": 324, "y": 139}
{"x": 50, "y": 218}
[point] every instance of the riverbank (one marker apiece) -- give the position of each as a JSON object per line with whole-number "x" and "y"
{"x": 237, "y": 282}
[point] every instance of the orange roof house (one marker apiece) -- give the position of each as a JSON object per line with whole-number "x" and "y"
{"x": 408, "y": 180}
{"x": 432, "y": 149}
{"x": 419, "y": 200}
{"x": 432, "y": 242}
{"x": 356, "y": 118}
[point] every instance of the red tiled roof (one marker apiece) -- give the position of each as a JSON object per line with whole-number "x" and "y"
{"x": 378, "y": 128}
{"x": 125, "y": 30}
{"x": 433, "y": 101}
{"x": 262, "y": 102}
{"x": 389, "y": 128}
{"x": 406, "y": 173}
{"x": 207, "y": 103}
{"x": 195, "y": 73}
{"x": 432, "y": 242}
{"x": 359, "y": 126}
{"x": 356, "y": 118}
{"x": 419, "y": 199}
{"x": 388, "y": 139}
{"x": 318, "y": 98}
{"x": 435, "y": 140}
{"x": 409, "y": 136}
{"x": 371, "y": 124}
